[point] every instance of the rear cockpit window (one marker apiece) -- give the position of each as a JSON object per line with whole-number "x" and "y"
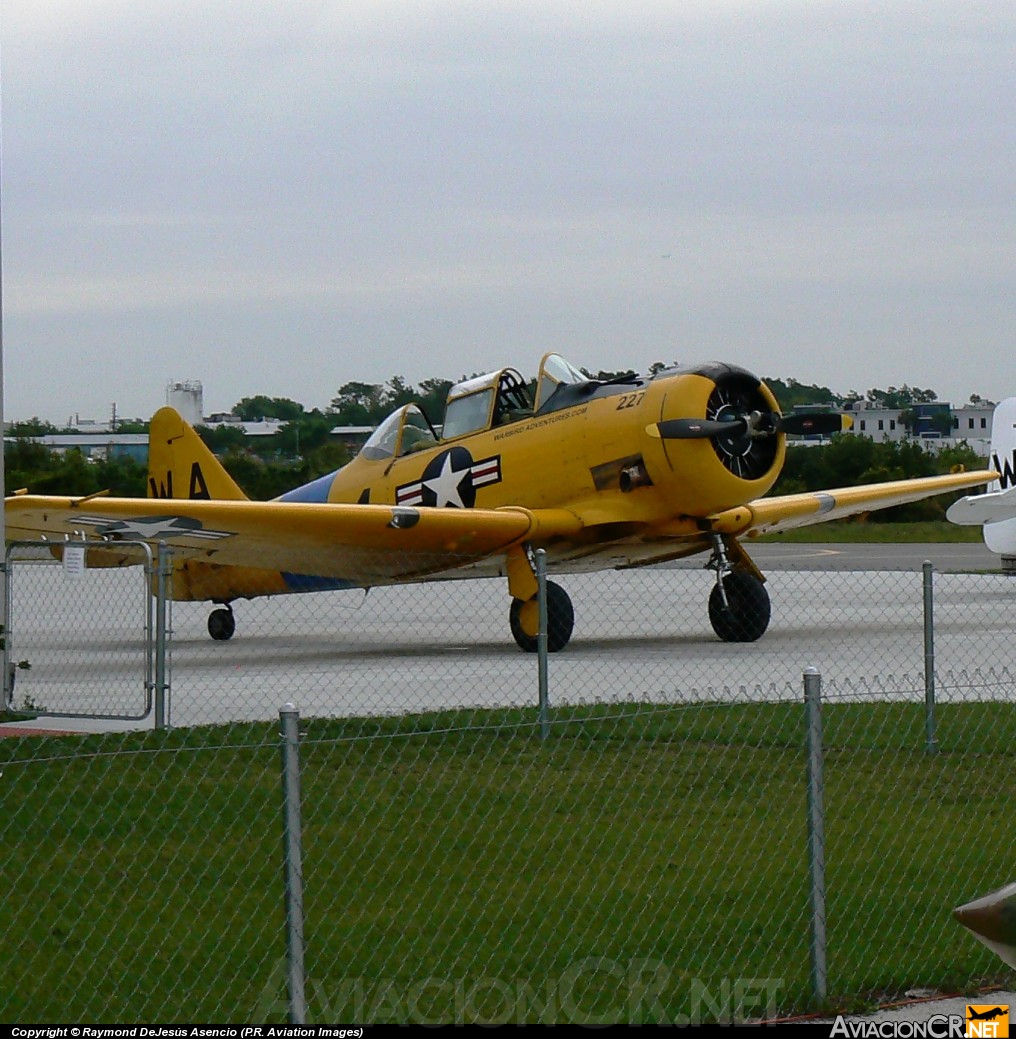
{"x": 467, "y": 414}
{"x": 485, "y": 401}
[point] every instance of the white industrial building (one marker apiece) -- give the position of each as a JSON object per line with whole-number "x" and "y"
{"x": 970, "y": 425}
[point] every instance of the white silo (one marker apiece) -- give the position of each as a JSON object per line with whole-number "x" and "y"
{"x": 188, "y": 399}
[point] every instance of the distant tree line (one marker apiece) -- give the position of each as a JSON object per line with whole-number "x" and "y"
{"x": 42, "y": 471}
{"x": 303, "y": 448}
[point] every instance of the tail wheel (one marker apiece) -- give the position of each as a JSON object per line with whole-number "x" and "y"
{"x": 524, "y": 620}
{"x": 221, "y": 624}
{"x": 745, "y": 616}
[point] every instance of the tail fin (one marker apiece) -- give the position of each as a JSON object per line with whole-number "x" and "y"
{"x": 1003, "y": 444}
{"x": 1000, "y": 535}
{"x": 181, "y": 466}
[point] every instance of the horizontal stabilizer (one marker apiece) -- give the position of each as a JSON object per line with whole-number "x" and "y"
{"x": 975, "y": 509}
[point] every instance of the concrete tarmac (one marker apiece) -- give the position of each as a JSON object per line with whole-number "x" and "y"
{"x": 854, "y": 612}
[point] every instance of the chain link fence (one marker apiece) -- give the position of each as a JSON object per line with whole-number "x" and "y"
{"x": 80, "y": 638}
{"x": 638, "y": 853}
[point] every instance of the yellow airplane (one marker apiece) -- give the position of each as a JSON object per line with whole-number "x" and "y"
{"x": 610, "y": 474}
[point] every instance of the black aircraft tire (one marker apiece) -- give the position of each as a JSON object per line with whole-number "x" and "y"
{"x": 560, "y": 621}
{"x": 748, "y": 616}
{"x": 221, "y": 624}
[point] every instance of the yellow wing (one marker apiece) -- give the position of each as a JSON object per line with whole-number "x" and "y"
{"x": 228, "y": 548}
{"x": 772, "y": 515}
{"x": 361, "y": 543}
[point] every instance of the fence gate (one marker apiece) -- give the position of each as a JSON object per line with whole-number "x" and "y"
{"x": 85, "y": 631}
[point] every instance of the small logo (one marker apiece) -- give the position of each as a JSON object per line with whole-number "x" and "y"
{"x": 987, "y": 1020}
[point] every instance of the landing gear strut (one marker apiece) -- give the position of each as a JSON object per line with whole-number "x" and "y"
{"x": 524, "y": 618}
{"x": 739, "y": 607}
{"x": 222, "y": 623}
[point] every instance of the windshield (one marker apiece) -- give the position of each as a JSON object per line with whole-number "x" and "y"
{"x": 381, "y": 443}
{"x": 416, "y": 432}
{"x": 403, "y": 431}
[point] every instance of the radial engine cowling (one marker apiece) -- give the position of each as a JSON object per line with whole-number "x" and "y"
{"x": 720, "y": 436}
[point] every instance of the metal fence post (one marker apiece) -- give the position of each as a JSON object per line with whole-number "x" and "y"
{"x": 816, "y": 831}
{"x": 5, "y": 632}
{"x": 931, "y": 741}
{"x": 293, "y": 851}
{"x": 164, "y": 573}
{"x": 541, "y": 641}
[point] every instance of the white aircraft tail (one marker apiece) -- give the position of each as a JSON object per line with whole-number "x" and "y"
{"x": 996, "y": 509}
{"x": 1000, "y": 534}
{"x": 1003, "y": 445}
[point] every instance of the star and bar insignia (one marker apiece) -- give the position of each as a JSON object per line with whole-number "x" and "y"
{"x": 450, "y": 480}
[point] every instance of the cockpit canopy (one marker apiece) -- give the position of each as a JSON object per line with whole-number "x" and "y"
{"x": 485, "y": 401}
{"x": 476, "y": 404}
{"x": 502, "y": 397}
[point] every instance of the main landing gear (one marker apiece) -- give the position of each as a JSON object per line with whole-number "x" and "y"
{"x": 524, "y": 618}
{"x": 222, "y": 623}
{"x": 739, "y": 607}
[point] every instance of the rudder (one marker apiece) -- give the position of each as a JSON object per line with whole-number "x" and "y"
{"x": 181, "y": 466}
{"x": 1000, "y": 535}
{"x": 1003, "y": 444}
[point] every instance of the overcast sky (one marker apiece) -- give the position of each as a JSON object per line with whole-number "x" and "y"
{"x": 282, "y": 197}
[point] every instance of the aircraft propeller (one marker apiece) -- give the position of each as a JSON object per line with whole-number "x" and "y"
{"x": 754, "y": 424}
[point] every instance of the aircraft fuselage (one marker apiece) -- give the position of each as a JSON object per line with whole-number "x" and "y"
{"x": 592, "y": 452}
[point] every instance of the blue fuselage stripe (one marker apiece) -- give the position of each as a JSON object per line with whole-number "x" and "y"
{"x": 310, "y": 583}
{"x": 316, "y": 491}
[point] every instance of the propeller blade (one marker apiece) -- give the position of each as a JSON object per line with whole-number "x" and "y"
{"x": 758, "y": 424}
{"x": 823, "y": 424}
{"x": 695, "y": 428}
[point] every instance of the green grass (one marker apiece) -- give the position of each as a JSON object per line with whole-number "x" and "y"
{"x": 15, "y": 716}
{"x": 654, "y": 845}
{"x": 854, "y": 531}
{"x": 637, "y": 857}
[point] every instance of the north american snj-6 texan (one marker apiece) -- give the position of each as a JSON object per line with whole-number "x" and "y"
{"x": 601, "y": 474}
